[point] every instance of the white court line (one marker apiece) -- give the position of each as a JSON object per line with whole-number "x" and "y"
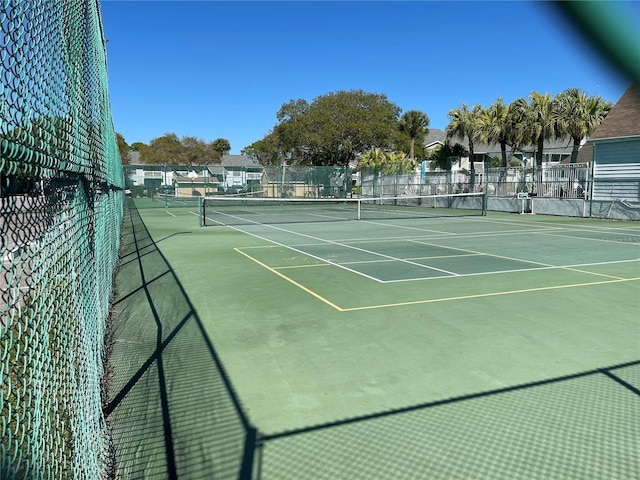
{"x": 436, "y": 237}
{"x": 408, "y": 228}
{"x": 418, "y": 238}
{"x": 382, "y": 255}
{"x": 537, "y": 228}
{"x": 623, "y": 240}
{"x": 571, "y": 226}
{"x": 331, "y": 242}
{"x": 561, "y": 231}
{"x": 547, "y": 230}
{"x": 533, "y": 269}
{"x": 291, "y": 248}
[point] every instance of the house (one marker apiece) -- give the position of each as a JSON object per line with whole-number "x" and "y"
{"x": 235, "y": 174}
{"x": 556, "y": 150}
{"x": 434, "y": 138}
{"x": 144, "y": 177}
{"x": 241, "y": 174}
{"x": 616, "y": 152}
{"x": 481, "y": 153}
{"x": 554, "y": 179}
{"x": 199, "y": 181}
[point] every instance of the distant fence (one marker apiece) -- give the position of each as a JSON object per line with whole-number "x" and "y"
{"x": 279, "y": 181}
{"x": 60, "y": 216}
{"x": 553, "y": 189}
{"x": 557, "y": 181}
{"x": 306, "y": 181}
{"x": 558, "y": 189}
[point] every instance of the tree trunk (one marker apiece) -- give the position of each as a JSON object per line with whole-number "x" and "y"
{"x": 511, "y": 152}
{"x": 574, "y": 152}
{"x": 539, "y": 151}
{"x": 412, "y": 143}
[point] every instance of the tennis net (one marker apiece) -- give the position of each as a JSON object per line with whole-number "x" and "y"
{"x": 226, "y": 210}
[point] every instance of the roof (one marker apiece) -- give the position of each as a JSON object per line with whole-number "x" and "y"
{"x": 585, "y": 154}
{"x": 237, "y": 161}
{"x": 623, "y": 119}
{"x": 433, "y": 136}
{"x": 562, "y": 145}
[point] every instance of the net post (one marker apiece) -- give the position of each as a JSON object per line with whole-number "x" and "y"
{"x": 359, "y": 202}
{"x": 485, "y": 202}
{"x": 201, "y": 211}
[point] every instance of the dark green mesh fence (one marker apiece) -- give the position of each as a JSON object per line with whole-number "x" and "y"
{"x": 61, "y": 213}
{"x": 299, "y": 181}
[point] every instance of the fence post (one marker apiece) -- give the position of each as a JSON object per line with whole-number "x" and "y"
{"x": 246, "y": 469}
{"x": 592, "y": 180}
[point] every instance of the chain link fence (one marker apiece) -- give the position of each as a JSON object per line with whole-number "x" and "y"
{"x": 60, "y": 216}
{"x": 553, "y": 181}
{"x": 555, "y": 188}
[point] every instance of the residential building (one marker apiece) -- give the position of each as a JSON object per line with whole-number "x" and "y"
{"x": 616, "y": 151}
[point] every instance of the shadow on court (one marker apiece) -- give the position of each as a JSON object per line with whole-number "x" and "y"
{"x": 173, "y": 412}
{"x": 170, "y": 407}
{"x": 581, "y": 426}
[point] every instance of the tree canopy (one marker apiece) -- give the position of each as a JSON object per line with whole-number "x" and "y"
{"x": 171, "y": 150}
{"x": 495, "y": 126}
{"x": 221, "y": 146}
{"x": 123, "y": 148}
{"x": 414, "y": 124}
{"x": 578, "y": 115}
{"x": 443, "y": 155}
{"x": 465, "y": 123}
{"x": 571, "y": 113}
{"x": 341, "y": 127}
{"x": 387, "y": 163}
{"x": 334, "y": 129}
{"x": 541, "y": 121}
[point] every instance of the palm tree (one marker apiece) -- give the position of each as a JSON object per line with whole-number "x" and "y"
{"x": 221, "y": 145}
{"x": 443, "y": 154}
{"x": 495, "y": 126}
{"x": 397, "y": 163}
{"x": 541, "y": 121}
{"x": 578, "y": 115}
{"x": 414, "y": 123}
{"x": 387, "y": 163}
{"x": 372, "y": 159}
{"x": 465, "y": 122}
{"x": 518, "y": 133}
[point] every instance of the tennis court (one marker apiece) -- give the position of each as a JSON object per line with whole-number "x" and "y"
{"x": 481, "y": 346}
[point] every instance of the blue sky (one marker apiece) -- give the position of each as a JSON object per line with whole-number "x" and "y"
{"x": 214, "y": 69}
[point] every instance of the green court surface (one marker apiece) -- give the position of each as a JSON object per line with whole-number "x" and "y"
{"x": 500, "y": 346}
